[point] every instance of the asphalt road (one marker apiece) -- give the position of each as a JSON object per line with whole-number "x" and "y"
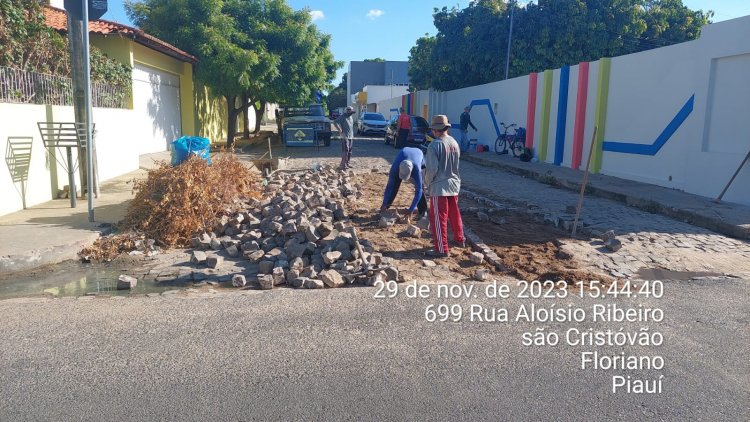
{"x": 344, "y": 355}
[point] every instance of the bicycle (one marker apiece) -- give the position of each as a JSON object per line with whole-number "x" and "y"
{"x": 516, "y": 144}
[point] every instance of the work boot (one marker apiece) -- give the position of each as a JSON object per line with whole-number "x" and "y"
{"x": 435, "y": 254}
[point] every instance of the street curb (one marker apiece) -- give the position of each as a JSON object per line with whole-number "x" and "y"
{"x": 30, "y": 260}
{"x": 643, "y": 204}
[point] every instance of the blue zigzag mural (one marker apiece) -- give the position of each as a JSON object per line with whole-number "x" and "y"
{"x": 666, "y": 134}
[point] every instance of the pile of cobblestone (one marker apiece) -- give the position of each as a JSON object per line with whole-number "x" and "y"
{"x": 299, "y": 234}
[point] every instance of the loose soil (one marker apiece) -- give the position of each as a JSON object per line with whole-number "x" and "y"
{"x": 529, "y": 250}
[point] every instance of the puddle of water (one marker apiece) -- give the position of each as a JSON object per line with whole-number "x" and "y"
{"x": 73, "y": 279}
{"x": 660, "y": 274}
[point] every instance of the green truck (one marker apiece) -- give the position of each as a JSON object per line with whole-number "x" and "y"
{"x": 305, "y": 126}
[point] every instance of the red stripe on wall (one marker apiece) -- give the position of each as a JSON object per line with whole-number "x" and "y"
{"x": 531, "y": 111}
{"x": 580, "y": 123}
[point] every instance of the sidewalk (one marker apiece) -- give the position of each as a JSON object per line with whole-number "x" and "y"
{"x": 726, "y": 218}
{"x": 53, "y": 232}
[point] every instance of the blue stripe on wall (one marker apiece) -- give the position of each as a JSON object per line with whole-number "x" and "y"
{"x": 562, "y": 114}
{"x": 486, "y": 101}
{"x": 666, "y": 134}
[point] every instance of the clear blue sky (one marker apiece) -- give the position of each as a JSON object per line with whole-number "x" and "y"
{"x": 366, "y": 29}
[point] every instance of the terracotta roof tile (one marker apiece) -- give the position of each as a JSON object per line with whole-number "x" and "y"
{"x": 58, "y": 19}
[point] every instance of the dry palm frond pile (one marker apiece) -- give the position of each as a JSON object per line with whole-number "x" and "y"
{"x": 175, "y": 203}
{"x": 107, "y": 248}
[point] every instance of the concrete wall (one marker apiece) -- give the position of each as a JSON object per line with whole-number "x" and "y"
{"x": 119, "y": 133}
{"x": 675, "y": 116}
{"x": 45, "y": 176}
{"x": 378, "y": 93}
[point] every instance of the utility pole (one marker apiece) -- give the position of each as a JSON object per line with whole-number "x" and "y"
{"x": 512, "y": 5}
{"x": 391, "y": 83}
{"x": 79, "y": 14}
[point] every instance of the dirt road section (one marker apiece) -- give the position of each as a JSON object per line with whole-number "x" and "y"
{"x": 529, "y": 250}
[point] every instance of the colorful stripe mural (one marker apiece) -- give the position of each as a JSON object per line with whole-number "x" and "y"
{"x": 408, "y": 102}
{"x": 600, "y": 119}
{"x": 546, "y": 104}
{"x": 580, "y": 122}
{"x": 531, "y": 110}
{"x": 562, "y": 114}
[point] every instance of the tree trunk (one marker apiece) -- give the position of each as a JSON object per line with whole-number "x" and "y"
{"x": 231, "y": 120}
{"x": 259, "y": 115}
{"x": 245, "y": 116}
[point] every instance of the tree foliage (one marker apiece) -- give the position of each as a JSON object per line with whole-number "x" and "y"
{"x": 254, "y": 51}
{"x": 337, "y": 96}
{"x": 29, "y": 44}
{"x": 471, "y": 43}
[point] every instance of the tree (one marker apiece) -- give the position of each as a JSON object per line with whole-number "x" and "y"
{"x": 249, "y": 51}
{"x": 29, "y": 44}
{"x": 421, "y": 63}
{"x": 337, "y": 96}
{"x": 471, "y": 43}
{"x": 376, "y": 59}
{"x": 200, "y": 28}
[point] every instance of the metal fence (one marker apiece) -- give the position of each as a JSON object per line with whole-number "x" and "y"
{"x": 20, "y": 86}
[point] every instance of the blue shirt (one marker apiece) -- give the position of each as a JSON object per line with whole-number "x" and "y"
{"x": 417, "y": 158}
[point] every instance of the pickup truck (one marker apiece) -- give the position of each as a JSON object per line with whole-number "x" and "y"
{"x": 305, "y": 126}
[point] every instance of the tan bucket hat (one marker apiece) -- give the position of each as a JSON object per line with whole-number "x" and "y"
{"x": 440, "y": 122}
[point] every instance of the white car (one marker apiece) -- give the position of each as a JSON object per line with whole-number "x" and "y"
{"x": 371, "y": 123}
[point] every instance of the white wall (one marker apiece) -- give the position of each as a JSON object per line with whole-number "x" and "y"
{"x": 646, "y": 91}
{"x": 115, "y": 150}
{"x": 507, "y": 102}
{"x": 378, "y": 93}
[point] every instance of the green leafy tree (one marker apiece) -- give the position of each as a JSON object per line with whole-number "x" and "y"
{"x": 29, "y": 44}
{"x": 201, "y": 28}
{"x": 421, "y": 63}
{"x": 470, "y": 46}
{"x": 250, "y": 51}
{"x": 337, "y": 96}
{"x": 302, "y": 54}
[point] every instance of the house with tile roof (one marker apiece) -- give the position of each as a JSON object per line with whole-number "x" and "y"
{"x": 163, "y": 90}
{"x": 164, "y": 104}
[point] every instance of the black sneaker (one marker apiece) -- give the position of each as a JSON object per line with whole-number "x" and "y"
{"x": 435, "y": 254}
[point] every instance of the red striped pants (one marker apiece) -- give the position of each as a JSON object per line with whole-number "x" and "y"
{"x": 442, "y": 210}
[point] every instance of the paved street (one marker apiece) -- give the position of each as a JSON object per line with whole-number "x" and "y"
{"x": 342, "y": 354}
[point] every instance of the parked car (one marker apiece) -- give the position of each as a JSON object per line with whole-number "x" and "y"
{"x": 371, "y": 123}
{"x": 305, "y": 126}
{"x": 418, "y": 135}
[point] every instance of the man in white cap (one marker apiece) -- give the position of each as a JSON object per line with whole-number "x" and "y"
{"x": 345, "y": 126}
{"x": 443, "y": 186}
{"x": 406, "y": 167}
